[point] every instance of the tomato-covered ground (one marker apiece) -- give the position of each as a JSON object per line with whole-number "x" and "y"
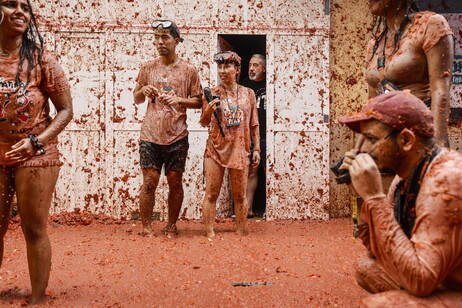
{"x": 101, "y": 262}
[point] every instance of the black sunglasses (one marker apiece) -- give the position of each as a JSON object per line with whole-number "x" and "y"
{"x": 225, "y": 57}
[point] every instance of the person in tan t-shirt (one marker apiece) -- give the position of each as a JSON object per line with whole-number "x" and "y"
{"x": 228, "y": 146}
{"x": 30, "y": 78}
{"x": 171, "y": 85}
{"x": 411, "y": 50}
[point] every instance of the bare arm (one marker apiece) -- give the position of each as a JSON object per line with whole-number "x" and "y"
{"x": 440, "y": 60}
{"x": 255, "y": 132}
{"x": 141, "y": 92}
{"x": 191, "y": 102}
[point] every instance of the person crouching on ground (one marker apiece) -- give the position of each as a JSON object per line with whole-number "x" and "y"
{"x": 413, "y": 235}
{"x": 29, "y": 157}
{"x": 229, "y": 146}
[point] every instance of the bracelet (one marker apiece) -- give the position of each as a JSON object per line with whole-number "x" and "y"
{"x": 257, "y": 150}
{"x": 35, "y": 142}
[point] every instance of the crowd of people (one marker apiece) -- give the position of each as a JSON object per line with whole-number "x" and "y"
{"x": 413, "y": 235}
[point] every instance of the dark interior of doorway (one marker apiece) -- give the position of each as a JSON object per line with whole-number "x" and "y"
{"x": 246, "y": 46}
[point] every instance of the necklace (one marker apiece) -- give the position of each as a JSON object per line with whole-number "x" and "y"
{"x": 237, "y": 95}
{"x": 235, "y": 117}
{"x": 6, "y": 53}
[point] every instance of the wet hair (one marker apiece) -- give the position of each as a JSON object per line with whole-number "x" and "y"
{"x": 380, "y": 27}
{"x": 260, "y": 56}
{"x": 31, "y": 49}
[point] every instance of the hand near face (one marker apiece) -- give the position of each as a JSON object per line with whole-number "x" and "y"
{"x": 365, "y": 176}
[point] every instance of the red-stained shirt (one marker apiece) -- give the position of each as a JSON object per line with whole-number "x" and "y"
{"x": 407, "y": 68}
{"x": 433, "y": 254}
{"x": 237, "y": 118}
{"x": 161, "y": 124}
{"x": 27, "y": 110}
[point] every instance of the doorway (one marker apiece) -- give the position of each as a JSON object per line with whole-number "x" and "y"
{"x": 246, "y": 46}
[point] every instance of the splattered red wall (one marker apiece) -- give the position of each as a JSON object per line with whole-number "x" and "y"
{"x": 101, "y": 45}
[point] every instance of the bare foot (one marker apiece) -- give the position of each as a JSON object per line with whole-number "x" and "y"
{"x": 241, "y": 232}
{"x": 171, "y": 231}
{"x": 147, "y": 232}
{"x": 210, "y": 233}
{"x": 36, "y": 300}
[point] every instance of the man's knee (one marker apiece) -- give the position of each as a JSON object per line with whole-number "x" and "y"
{"x": 175, "y": 180}
{"x": 150, "y": 179}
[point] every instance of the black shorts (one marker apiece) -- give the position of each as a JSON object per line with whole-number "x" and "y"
{"x": 173, "y": 156}
{"x": 262, "y": 152}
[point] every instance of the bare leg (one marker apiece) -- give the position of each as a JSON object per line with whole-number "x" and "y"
{"x": 213, "y": 180}
{"x": 175, "y": 199}
{"x": 147, "y": 198}
{"x": 251, "y": 187}
{"x": 238, "y": 180}
{"x": 6, "y": 195}
{"x": 34, "y": 189}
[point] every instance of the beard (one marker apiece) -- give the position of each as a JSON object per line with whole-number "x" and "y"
{"x": 389, "y": 160}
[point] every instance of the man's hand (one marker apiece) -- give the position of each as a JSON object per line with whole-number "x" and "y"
{"x": 150, "y": 91}
{"x": 365, "y": 176}
{"x": 255, "y": 159}
{"x": 348, "y": 159}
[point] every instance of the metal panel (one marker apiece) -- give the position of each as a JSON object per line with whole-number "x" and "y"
{"x": 80, "y": 184}
{"x": 301, "y": 79}
{"x": 101, "y": 46}
{"x": 300, "y": 14}
{"x": 297, "y": 137}
{"x": 298, "y": 179}
{"x": 81, "y": 178}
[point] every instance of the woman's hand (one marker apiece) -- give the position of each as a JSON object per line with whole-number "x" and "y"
{"x": 255, "y": 159}
{"x": 211, "y": 106}
{"x": 21, "y": 151}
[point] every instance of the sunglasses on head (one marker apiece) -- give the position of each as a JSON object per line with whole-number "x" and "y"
{"x": 225, "y": 57}
{"x": 164, "y": 24}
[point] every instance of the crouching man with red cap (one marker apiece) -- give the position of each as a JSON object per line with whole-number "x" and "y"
{"x": 413, "y": 234}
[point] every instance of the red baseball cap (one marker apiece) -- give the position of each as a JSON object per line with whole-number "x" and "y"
{"x": 398, "y": 109}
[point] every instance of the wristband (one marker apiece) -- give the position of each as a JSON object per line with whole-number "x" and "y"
{"x": 36, "y": 143}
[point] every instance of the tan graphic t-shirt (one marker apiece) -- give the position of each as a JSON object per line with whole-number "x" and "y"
{"x": 407, "y": 68}
{"x": 163, "y": 124}
{"x": 26, "y": 110}
{"x": 237, "y": 117}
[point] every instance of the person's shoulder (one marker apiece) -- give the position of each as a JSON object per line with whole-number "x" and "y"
{"x": 446, "y": 171}
{"x": 185, "y": 64}
{"x": 48, "y": 55}
{"x": 151, "y": 63}
{"x": 246, "y": 82}
{"x": 427, "y": 17}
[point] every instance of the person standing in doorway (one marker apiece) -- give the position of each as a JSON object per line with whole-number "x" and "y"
{"x": 232, "y": 120}
{"x": 257, "y": 82}
{"x": 171, "y": 85}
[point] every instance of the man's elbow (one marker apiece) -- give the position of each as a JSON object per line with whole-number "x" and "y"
{"x": 423, "y": 287}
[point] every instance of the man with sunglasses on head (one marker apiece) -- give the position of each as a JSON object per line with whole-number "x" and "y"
{"x": 413, "y": 235}
{"x": 171, "y": 86}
